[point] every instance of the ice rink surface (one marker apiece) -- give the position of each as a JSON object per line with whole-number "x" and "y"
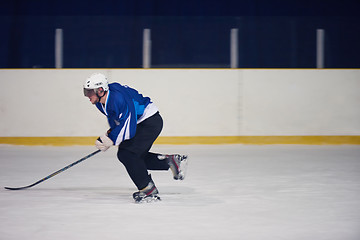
{"x": 270, "y": 192}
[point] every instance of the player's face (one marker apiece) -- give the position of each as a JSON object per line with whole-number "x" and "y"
{"x": 90, "y": 93}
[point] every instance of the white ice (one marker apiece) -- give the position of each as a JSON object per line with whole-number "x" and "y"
{"x": 270, "y": 192}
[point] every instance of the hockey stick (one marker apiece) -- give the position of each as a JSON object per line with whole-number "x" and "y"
{"x": 55, "y": 173}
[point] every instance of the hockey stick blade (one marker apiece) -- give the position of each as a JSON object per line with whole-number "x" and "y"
{"x": 55, "y": 173}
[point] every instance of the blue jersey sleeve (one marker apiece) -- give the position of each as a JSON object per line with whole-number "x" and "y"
{"x": 123, "y": 107}
{"x": 121, "y": 118}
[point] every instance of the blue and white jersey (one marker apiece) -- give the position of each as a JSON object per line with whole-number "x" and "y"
{"x": 125, "y": 108}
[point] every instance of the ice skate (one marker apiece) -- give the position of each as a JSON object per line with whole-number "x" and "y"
{"x": 178, "y": 165}
{"x": 147, "y": 194}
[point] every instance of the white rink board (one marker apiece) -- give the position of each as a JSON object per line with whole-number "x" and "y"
{"x": 301, "y": 102}
{"x": 193, "y": 102}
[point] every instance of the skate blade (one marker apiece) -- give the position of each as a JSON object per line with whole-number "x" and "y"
{"x": 149, "y": 199}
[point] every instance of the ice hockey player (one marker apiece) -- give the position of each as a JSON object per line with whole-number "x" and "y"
{"x": 135, "y": 123}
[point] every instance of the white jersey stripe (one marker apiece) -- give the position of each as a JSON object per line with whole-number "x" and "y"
{"x": 124, "y": 132}
{"x": 149, "y": 111}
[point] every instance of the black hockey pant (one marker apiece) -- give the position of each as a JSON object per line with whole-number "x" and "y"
{"x": 134, "y": 153}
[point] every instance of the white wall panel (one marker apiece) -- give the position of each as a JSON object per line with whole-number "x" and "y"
{"x": 301, "y": 102}
{"x": 193, "y": 102}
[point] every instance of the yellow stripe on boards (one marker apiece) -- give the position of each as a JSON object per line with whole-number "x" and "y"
{"x": 52, "y": 141}
{"x": 262, "y": 140}
{"x": 255, "y": 140}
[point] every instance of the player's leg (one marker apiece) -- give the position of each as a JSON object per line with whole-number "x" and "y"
{"x": 154, "y": 161}
{"x": 131, "y": 153}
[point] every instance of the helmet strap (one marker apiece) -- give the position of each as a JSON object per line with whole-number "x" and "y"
{"x": 99, "y": 95}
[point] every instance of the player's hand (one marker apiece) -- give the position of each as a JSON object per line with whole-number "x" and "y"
{"x": 104, "y": 143}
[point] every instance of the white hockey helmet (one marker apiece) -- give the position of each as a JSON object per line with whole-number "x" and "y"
{"x": 95, "y": 81}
